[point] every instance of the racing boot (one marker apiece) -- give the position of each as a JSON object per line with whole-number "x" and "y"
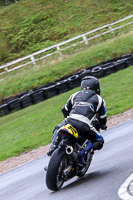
{"x": 56, "y": 138}
{"x": 82, "y": 153}
{"x": 54, "y": 143}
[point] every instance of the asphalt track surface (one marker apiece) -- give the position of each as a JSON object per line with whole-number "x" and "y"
{"x": 109, "y": 169}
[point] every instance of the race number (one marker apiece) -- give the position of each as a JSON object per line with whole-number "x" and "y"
{"x": 71, "y": 130}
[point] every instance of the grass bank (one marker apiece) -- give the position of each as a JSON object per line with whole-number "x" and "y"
{"x": 32, "y": 127}
{"x": 30, "y": 77}
{"x": 31, "y": 25}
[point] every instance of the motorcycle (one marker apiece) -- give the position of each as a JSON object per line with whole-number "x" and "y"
{"x": 65, "y": 162}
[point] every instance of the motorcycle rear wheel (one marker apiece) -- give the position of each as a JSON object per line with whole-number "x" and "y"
{"x": 57, "y": 164}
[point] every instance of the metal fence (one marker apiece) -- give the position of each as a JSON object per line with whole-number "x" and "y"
{"x": 58, "y": 48}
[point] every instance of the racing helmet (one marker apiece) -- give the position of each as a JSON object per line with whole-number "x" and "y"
{"x": 91, "y": 82}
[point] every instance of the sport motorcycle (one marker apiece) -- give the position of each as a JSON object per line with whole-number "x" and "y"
{"x": 65, "y": 162}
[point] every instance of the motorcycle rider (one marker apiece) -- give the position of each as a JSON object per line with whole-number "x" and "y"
{"x": 83, "y": 110}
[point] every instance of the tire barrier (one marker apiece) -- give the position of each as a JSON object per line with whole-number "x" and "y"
{"x": 4, "y": 110}
{"x": 7, "y": 99}
{"x": 14, "y": 104}
{"x": 83, "y": 72}
{"x": 108, "y": 68}
{"x": 41, "y": 93}
{"x": 37, "y": 96}
{"x": 125, "y": 56}
{"x": 26, "y": 100}
{"x": 22, "y": 94}
{"x": 74, "y": 81}
{"x": 97, "y": 71}
{"x": 130, "y": 61}
{"x": 50, "y": 91}
{"x": 120, "y": 64}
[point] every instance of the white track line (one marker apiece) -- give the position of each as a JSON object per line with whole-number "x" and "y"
{"x": 122, "y": 192}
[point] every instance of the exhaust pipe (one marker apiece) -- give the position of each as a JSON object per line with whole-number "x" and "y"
{"x": 69, "y": 150}
{"x": 71, "y": 153}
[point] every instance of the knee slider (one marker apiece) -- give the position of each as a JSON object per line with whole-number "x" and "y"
{"x": 98, "y": 145}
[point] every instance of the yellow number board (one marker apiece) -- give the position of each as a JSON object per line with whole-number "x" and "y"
{"x": 71, "y": 130}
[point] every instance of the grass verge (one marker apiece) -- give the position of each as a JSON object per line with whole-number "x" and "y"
{"x": 31, "y": 25}
{"x": 28, "y": 78}
{"x": 32, "y": 127}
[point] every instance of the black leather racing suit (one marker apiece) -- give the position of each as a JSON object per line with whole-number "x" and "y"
{"x": 80, "y": 111}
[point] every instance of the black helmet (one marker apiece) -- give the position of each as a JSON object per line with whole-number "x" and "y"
{"x": 91, "y": 82}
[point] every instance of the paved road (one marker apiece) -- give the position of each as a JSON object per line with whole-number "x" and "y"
{"x": 109, "y": 169}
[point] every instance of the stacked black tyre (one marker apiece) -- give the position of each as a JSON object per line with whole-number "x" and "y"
{"x": 27, "y": 98}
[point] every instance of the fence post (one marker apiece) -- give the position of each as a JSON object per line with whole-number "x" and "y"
{"x": 6, "y": 68}
{"x": 33, "y": 60}
{"x": 58, "y": 49}
{"x": 110, "y": 28}
{"x": 85, "y": 39}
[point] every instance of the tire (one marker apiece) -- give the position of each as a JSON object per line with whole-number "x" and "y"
{"x": 130, "y": 61}
{"x": 74, "y": 81}
{"x": 107, "y": 65}
{"x": 26, "y": 100}
{"x": 108, "y": 68}
{"x": 4, "y": 110}
{"x": 52, "y": 176}
{"x": 22, "y": 94}
{"x": 86, "y": 167}
{"x": 120, "y": 64}
{"x": 83, "y": 72}
{"x": 125, "y": 56}
{"x": 7, "y": 99}
{"x": 50, "y": 91}
{"x": 37, "y": 96}
{"x": 62, "y": 86}
{"x": 97, "y": 71}
{"x": 91, "y": 67}
{"x": 14, "y": 104}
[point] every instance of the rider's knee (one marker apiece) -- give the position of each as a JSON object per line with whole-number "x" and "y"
{"x": 98, "y": 144}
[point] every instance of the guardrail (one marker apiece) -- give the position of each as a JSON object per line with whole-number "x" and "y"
{"x": 57, "y": 47}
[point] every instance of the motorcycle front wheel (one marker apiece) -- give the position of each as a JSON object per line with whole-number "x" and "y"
{"x": 56, "y": 167}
